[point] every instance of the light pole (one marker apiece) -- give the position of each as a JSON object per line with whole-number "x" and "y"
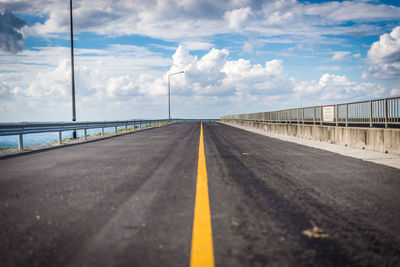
{"x": 72, "y": 68}
{"x": 169, "y": 92}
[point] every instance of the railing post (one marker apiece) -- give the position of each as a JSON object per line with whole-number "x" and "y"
{"x": 126, "y": 127}
{"x": 116, "y": 129}
{"x": 370, "y": 113}
{"x": 321, "y": 117}
{"x": 314, "y": 115}
{"x": 386, "y": 113}
{"x": 102, "y": 131}
{"x": 337, "y": 115}
{"x": 347, "y": 115}
{"x": 20, "y": 141}
{"x": 84, "y": 134}
{"x": 59, "y": 137}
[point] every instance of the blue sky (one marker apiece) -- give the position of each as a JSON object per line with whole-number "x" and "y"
{"x": 238, "y": 56}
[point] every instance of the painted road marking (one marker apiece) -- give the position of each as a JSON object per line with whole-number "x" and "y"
{"x": 202, "y": 253}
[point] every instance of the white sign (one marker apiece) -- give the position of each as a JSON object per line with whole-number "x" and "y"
{"x": 328, "y": 113}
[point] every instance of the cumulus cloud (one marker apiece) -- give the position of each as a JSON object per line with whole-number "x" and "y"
{"x": 127, "y": 78}
{"x": 52, "y": 84}
{"x": 332, "y": 87}
{"x": 118, "y": 74}
{"x": 327, "y": 85}
{"x": 214, "y": 75}
{"x": 123, "y": 86}
{"x": 237, "y": 18}
{"x": 384, "y": 56}
{"x": 11, "y": 38}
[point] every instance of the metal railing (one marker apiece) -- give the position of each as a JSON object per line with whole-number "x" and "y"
{"x": 383, "y": 112}
{"x": 23, "y": 128}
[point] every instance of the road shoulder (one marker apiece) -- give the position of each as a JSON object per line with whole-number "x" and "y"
{"x": 390, "y": 160}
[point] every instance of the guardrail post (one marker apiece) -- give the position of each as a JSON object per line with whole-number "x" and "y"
{"x": 116, "y": 129}
{"x": 347, "y": 115}
{"x": 370, "y": 113}
{"x": 59, "y": 137}
{"x": 84, "y": 134}
{"x": 386, "y": 113}
{"x": 126, "y": 127}
{"x": 102, "y": 131}
{"x": 20, "y": 141}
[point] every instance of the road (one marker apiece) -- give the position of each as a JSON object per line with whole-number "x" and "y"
{"x": 129, "y": 201}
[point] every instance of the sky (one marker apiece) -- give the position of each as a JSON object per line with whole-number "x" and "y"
{"x": 239, "y": 56}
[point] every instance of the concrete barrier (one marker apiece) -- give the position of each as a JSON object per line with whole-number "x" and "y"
{"x": 385, "y": 140}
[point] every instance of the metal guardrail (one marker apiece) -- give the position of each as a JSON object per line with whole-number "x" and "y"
{"x": 372, "y": 113}
{"x": 41, "y": 127}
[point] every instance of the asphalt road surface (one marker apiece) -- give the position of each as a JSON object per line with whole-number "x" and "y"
{"x": 129, "y": 201}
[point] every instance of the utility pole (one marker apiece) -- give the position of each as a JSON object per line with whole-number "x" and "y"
{"x": 72, "y": 67}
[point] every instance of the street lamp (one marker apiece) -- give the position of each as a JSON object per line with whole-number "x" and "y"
{"x": 72, "y": 68}
{"x": 169, "y": 92}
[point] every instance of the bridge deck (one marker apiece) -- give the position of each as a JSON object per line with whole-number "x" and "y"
{"x": 129, "y": 201}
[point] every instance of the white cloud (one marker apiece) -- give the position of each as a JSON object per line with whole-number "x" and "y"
{"x": 190, "y": 20}
{"x": 338, "y": 88}
{"x": 213, "y": 75}
{"x": 340, "y": 55}
{"x": 124, "y": 77}
{"x": 52, "y": 84}
{"x": 395, "y": 91}
{"x": 5, "y": 89}
{"x": 197, "y": 45}
{"x": 348, "y": 10}
{"x": 384, "y": 56}
{"x": 237, "y": 18}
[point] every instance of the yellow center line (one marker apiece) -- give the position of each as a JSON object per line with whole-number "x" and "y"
{"x": 202, "y": 253}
